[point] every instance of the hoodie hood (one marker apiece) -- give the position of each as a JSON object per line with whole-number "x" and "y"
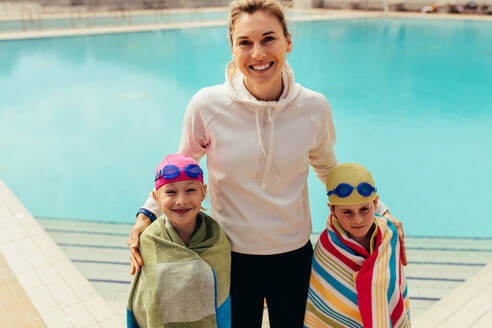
{"x": 265, "y": 112}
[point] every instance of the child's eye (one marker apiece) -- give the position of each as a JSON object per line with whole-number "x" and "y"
{"x": 347, "y": 212}
{"x": 170, "y": 192}
{"x": 190, "y": 190}
{"x": 364, "y": 209}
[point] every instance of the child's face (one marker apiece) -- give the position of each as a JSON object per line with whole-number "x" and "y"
{"x": 181, "y": 201}
{"x": 356, "y": 220}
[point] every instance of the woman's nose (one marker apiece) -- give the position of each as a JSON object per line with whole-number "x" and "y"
{"x": 258, "y": 51}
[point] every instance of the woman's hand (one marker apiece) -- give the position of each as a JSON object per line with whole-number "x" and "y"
{"x": 141, "y": 223}
{"x": 401, "y": 235}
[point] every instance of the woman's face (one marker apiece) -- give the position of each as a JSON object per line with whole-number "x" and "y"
{"x": 259, "y": 47}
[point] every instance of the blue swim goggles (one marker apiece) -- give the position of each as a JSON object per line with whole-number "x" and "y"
{"x": 172, "y": 171}
{"x": 344, "y": 190}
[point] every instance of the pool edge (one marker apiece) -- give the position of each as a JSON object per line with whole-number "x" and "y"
{"x": 59, "y": 292}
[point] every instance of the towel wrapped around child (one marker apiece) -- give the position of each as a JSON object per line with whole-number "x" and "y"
{"x": 350, "y": 287}
{"x": 182, "y": 286}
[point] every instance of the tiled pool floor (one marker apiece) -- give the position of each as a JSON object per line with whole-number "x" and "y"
{"x": 436, "y": 266}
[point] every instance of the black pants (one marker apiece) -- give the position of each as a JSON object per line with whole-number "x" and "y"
{"x": 281, "y": 279}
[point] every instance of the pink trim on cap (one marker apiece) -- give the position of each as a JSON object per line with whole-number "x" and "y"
{"x": 179, "y": 160}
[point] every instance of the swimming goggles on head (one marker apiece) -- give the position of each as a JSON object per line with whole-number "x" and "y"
{"x": 344, "y": 190}
{"x": 172, "y": 171}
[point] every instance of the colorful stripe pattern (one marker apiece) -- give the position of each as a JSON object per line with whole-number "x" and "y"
{"x": 350, "y": 287}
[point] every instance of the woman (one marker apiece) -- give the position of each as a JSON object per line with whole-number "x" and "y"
{"x": 260, "y": 131}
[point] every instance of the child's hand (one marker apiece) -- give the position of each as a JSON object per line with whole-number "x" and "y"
{"x": 136, "y": 260}
{"x": 401, "y": 235}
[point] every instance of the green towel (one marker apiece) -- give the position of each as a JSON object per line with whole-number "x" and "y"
{"x": 180, "y": 286}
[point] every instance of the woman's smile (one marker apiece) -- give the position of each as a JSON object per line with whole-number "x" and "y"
{"x": 261, "y": 67}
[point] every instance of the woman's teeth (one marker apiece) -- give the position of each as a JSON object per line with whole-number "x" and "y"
{"x": 261, "y": 67}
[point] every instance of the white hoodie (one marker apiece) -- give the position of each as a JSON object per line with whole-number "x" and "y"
{"x": 258, "y": 157}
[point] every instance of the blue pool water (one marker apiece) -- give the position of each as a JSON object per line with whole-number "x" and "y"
{"x": 85, "y": 120}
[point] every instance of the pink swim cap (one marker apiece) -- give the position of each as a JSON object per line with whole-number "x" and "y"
{"x": 177, "y": 167}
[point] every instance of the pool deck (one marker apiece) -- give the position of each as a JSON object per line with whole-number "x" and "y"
{"x": 40, "y": 278}
{"x": 308, "y": 15}
{"x": 76, "y": 274}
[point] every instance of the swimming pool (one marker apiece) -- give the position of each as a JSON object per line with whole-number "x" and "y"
{"x": 86, "y": 119}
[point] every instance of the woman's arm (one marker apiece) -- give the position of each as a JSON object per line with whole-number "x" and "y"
{"x": 401, "y": 235}
{"x": 194, "y": 140}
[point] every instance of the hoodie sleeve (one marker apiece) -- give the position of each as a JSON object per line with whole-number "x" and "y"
{"x": 321, "y": 155}
{"x": 194, "y": 141}
{"x": 194, "y": 138}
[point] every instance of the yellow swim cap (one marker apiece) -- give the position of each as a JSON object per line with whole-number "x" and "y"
{"x": 350, "y": 184}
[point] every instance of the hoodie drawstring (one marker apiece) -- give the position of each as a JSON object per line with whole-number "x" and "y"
{"x": 269, "y": 168}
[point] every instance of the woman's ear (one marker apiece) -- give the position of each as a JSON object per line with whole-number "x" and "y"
{"x": 289, "y": 43}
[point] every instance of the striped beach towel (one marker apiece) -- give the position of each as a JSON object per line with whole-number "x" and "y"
{"x": 182, "y": 286}
{"x": 350, "y": 287}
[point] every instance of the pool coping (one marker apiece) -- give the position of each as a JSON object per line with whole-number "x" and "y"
{"x": 469, "y": 305}
{"x": 314, "y": 15}
{"x": 59, "y": 292}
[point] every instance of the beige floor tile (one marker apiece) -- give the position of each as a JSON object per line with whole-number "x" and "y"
{"x": 16, "y": 309}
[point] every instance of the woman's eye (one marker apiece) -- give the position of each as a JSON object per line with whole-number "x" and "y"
{"x": 170, "y": 192}
{"x": 347, "y": 212}
{"x": 244, "y": 43}
{"x": 365, "y": 209}
{"x": 268, "y": 38}
{"x": 191, "y": 190}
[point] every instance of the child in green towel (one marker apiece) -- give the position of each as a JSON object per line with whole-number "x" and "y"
{"x": 185, "y": 279}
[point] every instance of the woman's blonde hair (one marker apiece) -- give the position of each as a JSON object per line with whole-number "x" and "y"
{"x": 237, "y": 7}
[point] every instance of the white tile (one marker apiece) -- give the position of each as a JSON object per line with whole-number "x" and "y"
{"x": 99, "y": 308}
{"x": 48, "y": 274}
{"x": 29, "y": 279}
{"x": 113, "y": 322}
{"x": 460, "y": 319}
{"x": 61, "y": 292}
{"x": 484, "y": 322}
{"x": 14, "y": 231}
{"x": 41, "y": 299}
{"x": 66, "y": 269}
{"x": 18, "y": 264}
{"x": 9, "y": 249}
{"x": 4, "y": 237}
{"x": 79, "y": 315}
{"x": 26, "y": 245}
{"x": 82, "y": 288}
{"x": 480, "y": 304}
{"x": 57, "y": 319}
{"x": 36, "y": 258}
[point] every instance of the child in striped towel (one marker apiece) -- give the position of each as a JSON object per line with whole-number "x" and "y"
{"x": 357, "y": 279}
{"x": 185, "y": 279}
